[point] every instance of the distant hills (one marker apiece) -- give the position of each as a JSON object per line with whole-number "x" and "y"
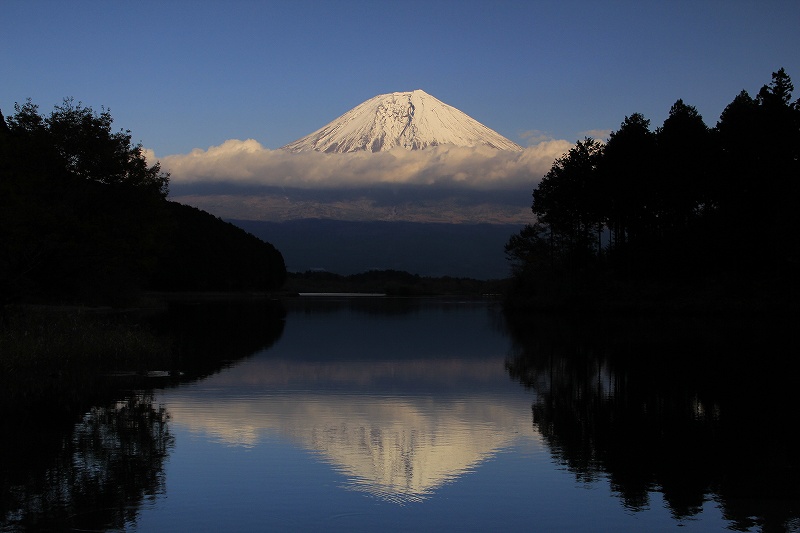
{"x": 345, "y": 247}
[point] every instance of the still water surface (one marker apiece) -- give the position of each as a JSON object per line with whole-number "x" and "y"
{"x": 387, "y": 414}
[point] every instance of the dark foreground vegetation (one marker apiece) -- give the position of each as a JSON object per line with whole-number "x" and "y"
{"x": 84, "y": 219}
{"x": 683, "y": 217}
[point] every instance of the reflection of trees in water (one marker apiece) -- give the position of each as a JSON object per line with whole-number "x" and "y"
{"x": 56, "y": 474}
{"x": 110, "y": 463}
{"x": 696, "y": 410}
{"x": 210, "y": 334}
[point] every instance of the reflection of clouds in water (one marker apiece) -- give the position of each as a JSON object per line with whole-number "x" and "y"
{"x": 397, "y": 448}
{"x": 398, "y": 403}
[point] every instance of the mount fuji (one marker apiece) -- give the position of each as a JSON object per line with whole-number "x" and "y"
{"x": 412, "y": 120}
{"x": 402, "y": 181}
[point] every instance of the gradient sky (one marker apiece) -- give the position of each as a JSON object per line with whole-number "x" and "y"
{"x": 193, "y": 74}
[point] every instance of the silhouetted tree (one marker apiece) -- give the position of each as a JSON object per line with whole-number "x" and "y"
{"x": 92, "y": 151}
{"x": 83, "y": 216}
{"x": 566, "y": 201}
{"x": 735, "y": 131}
{"x": 779, "y": 136}
{"x": 759, "y": 173}
{"x": 529, "y": 250}
{"x": 626, "y": 172}
{"x": 684, "y": 161}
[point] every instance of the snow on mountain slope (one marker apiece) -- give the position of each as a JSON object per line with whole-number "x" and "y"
{"x": 411, "y": 120}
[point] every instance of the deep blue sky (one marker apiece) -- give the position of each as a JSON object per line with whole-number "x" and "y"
{"x": 186, "y": 74}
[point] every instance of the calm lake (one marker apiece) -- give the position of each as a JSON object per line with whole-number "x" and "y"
{"x": 382, "y": 414}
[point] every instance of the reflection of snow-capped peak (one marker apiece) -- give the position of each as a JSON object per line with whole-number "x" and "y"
{"x": 396, "y": 449}
{"x": 411, "y": 120}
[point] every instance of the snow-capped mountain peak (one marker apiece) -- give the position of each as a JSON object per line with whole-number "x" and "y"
{"x": 411, "y": 120}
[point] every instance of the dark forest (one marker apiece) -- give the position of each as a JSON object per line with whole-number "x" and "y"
{"x": 685, "y": 211}
{"x": 84, "y": 219}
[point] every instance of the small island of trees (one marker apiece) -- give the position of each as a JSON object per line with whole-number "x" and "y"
{"x": 707, "y": 212}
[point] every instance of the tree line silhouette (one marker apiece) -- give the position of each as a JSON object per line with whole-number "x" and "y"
{"x": 683, "y": 203}
{"x": 84, "y": 217}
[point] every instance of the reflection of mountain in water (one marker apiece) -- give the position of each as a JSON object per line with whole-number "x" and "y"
{"x": 397, "y": 447}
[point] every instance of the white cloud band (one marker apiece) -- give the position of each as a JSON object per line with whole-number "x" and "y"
{"x": 238, "y": 162}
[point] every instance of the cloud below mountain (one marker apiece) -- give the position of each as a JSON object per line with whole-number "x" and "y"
{"x": 237, "y": 162}
{"x": 397, "y": 156}
{"x": 242, "y": 179}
